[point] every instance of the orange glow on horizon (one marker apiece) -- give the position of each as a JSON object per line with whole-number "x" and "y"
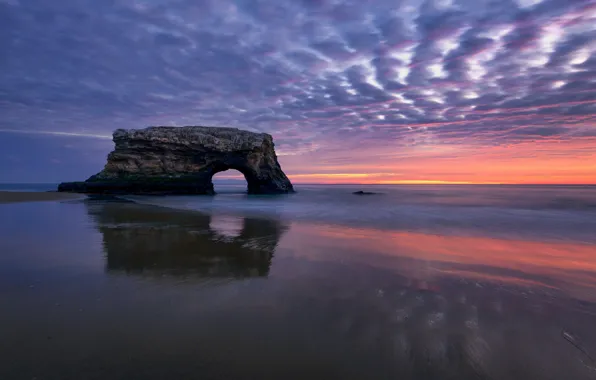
{"x": 533, "y": 162}
{"x": 361, "y": 180}
{"x": 368, "y": 179}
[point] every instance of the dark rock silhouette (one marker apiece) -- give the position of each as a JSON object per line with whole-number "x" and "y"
{"x": 183, "y": 160}
{"x": 156, "y": 241}
{"x": 360, "y": 192}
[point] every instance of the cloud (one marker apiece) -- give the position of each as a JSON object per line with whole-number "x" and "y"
{"x": 56, "y": 133}
{"x": 320, "y": 75}
{"x": 35, "y": 158}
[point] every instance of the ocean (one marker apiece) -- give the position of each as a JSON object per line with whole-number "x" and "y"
{"x": 413, "y": 282}
{"x": 28, "y": 186}
{"x": 541, "y": 212}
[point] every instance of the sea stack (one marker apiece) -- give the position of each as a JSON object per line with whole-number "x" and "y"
{"x": 183, "y": 160}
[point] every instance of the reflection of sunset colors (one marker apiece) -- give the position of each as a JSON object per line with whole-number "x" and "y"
{"x": 554, "y": 265}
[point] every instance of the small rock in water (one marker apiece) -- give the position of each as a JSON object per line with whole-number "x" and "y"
{"x": 360, "y": 192}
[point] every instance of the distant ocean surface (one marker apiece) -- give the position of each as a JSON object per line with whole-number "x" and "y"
{"x": 545, "y": 212}
{"x": 28, "y": 186}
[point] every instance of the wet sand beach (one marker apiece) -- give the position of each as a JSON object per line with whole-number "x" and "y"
{"x": 97, "y": 289}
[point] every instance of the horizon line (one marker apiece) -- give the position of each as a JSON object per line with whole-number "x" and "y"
{"x": 370, "y": 184}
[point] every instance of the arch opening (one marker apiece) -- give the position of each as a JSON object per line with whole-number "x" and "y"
{"x": 230, "y": 180}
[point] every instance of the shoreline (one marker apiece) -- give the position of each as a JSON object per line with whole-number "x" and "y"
{"x": 7, "y": 197}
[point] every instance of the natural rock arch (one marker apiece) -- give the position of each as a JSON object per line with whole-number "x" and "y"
{"x": 183, "y": 160}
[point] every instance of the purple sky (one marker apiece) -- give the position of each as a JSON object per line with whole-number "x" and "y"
{"x": 381, "y": 90}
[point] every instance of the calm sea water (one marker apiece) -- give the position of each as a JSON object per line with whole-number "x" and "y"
{"x": 28, "y": 186}
{"x": 543, "y": 212}
{"x": 417, "y": 282}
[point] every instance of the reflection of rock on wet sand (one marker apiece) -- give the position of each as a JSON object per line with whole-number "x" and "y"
{"x": 152, "y": 240}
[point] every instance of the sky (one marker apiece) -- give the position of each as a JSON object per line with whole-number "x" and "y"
{"x": 352, "y": 91}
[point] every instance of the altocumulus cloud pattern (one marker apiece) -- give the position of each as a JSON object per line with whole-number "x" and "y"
{"x": 329, "y": 79}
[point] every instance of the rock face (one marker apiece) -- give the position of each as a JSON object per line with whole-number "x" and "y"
{"x": 183, "y": 160}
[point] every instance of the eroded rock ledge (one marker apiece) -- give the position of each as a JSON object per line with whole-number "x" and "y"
{"x": 183, "y": 160}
